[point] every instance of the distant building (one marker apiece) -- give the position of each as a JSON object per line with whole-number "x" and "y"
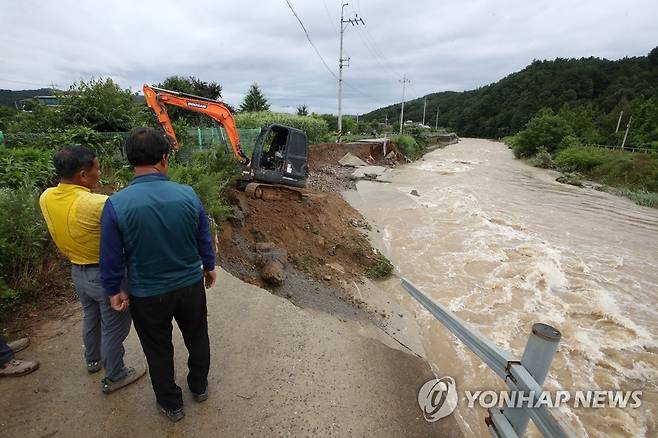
{"x": 26, "y": 104}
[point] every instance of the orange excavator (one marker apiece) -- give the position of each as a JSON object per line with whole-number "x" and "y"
{"x": 278, "y": 166}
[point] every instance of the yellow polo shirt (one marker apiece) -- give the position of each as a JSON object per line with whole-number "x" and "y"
{"x": 73, "y": 216}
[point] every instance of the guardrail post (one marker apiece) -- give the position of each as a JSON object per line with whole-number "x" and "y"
{"x": 537, "y": 357}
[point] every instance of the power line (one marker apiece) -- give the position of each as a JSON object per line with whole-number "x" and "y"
{"x": 331, "y": 20}
{"x": 28, "y": 83}
{"x": 308, "y": 37}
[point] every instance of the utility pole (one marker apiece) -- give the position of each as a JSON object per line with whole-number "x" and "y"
{"x": 424, "y": 106}
{"x": 619, "y": 122}
{"x": 404, "y": 81}
{"x": 628, "y": 127}
{"x": 436, "y": 127}
{"x": 343, "y": 62}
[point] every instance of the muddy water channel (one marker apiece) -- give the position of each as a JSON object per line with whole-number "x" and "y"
{"x": 503, "y": 246}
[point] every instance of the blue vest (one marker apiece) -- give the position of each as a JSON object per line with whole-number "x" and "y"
{"x": 158, "y": 220}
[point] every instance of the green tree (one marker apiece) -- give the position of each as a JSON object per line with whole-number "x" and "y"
{"x": 192, "y": 85}
{"x": 254, "y": 100}
{"x": 99, "y": 104}
{"x": 545, "y": 129}
{"x": 302, "y": 110}
{"x": 197, "y": 87}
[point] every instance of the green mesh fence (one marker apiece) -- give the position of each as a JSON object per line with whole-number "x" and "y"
{"x": 208, "y": 138}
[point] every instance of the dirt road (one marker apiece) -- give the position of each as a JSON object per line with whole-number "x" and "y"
{"x": 277, "y": 370}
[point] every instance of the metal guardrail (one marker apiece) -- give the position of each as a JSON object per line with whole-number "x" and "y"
{"x": 526, "y": 375}
{"x": 624, "y": 149}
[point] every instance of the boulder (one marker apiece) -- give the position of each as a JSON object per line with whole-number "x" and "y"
{"x": 273, "y": 273}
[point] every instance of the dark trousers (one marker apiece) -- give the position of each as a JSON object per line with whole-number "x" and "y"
{"x": 6, "y": 353}
{"x": 152, "y": 318}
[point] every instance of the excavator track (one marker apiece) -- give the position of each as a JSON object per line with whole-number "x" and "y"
{"x": 273, "y": 192}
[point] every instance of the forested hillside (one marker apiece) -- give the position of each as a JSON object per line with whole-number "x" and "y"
{"x": 601, "y": 87}
{"x": 8, "y": 97}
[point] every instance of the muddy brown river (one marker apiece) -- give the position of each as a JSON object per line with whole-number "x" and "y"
{"x": 503, "y": 245}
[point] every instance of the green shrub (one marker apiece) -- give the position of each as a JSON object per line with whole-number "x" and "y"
{"x": 542, "y": 159}
{"x": 381, "y": 268}
{"x": 315, "y": 127}
{"x": 544, "y": 129}
{"x": 615, "y": 168}
{"x": 26, "y": 166}
{"x": 579, "y": 159}
{"x": 23, "y": 242}
{"x": 209, "y": 173}
{"x": 408, "y": 146}
{"x": 640, "y": 197}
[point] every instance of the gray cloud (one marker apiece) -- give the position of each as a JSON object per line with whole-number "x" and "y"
{"x": 439, "y": 46}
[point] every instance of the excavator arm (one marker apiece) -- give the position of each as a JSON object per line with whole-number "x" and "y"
{"x": 157, "y": 99}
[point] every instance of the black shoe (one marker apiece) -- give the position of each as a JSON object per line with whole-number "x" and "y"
{"x": 173, "y": 416}
{"x": 200, "y": 397}
{"x": 93, "y": 366}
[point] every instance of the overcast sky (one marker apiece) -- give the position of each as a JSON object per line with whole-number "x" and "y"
{"x": 439, "y": 45}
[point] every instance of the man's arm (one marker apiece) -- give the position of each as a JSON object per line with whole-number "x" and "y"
{"x": 112, "y": 259}
{"x": 205, "y": 247}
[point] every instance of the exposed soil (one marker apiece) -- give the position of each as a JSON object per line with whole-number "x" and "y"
{"x": 324, "y": 237}
{"x": 326, "y": 247}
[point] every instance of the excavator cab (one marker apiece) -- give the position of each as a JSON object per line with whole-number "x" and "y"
{"x": 280, "y": 156}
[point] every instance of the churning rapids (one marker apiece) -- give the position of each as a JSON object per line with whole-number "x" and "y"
{"x": 503, "y": 245}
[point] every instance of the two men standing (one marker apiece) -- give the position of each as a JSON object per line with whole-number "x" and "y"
{"x": 154, "y": 234}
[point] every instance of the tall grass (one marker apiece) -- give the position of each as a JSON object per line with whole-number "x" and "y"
{"x": 316, "y": 129}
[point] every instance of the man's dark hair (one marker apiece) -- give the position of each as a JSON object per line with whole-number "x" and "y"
{"x": 72, "y": 159}
{"x": 146, "y": 146}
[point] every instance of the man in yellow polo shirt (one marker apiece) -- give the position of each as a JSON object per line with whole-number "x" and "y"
{"x": 73, "y": 216}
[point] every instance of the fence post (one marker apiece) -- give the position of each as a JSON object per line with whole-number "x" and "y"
{"x": 537, "y": 357}
{"x": 198, "y": 133}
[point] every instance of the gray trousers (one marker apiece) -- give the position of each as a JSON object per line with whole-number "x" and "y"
{"x": 103, "y": 328}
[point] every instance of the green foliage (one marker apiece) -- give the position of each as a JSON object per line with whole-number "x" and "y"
{"x": 314, "y": 127}
{"x": 330, "y": 120}
{"x": 640, "y": 197}
{"x": 209, "y": 173}
{"x": 41, "y": 119}
{"x": 545, "y": 129}
{"x": 612, "y": 167}
{"x": 381, "y": 267}
{"x": 23, "y": 242}
{"x": 7, "y": 115}
{"x": 408, "y": 146}
{"x": 26, "y": 166}
{"x": 302, "y": 110}
{"x": 99, "y": 104}
{"x": 254, "y": 100}
{"x": 580, "y": 159}
{"x": 542, "y": 159}
{"x": 197, "y": 87}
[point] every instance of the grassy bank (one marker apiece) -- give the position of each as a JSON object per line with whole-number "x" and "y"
{"x": 555, "y": 141}
{"x": 631, "y": 175}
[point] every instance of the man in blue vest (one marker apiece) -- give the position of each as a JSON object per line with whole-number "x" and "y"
{"x": 158, "y": 231}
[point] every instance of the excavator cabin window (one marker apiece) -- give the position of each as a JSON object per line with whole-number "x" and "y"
{"x": 274, "y": 149}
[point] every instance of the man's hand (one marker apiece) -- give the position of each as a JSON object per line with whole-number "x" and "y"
{"x": 120, "y": 301}
{"x": 209, "y": 278}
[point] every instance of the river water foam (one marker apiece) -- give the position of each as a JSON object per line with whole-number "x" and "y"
{"x": 503, "y": 245}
